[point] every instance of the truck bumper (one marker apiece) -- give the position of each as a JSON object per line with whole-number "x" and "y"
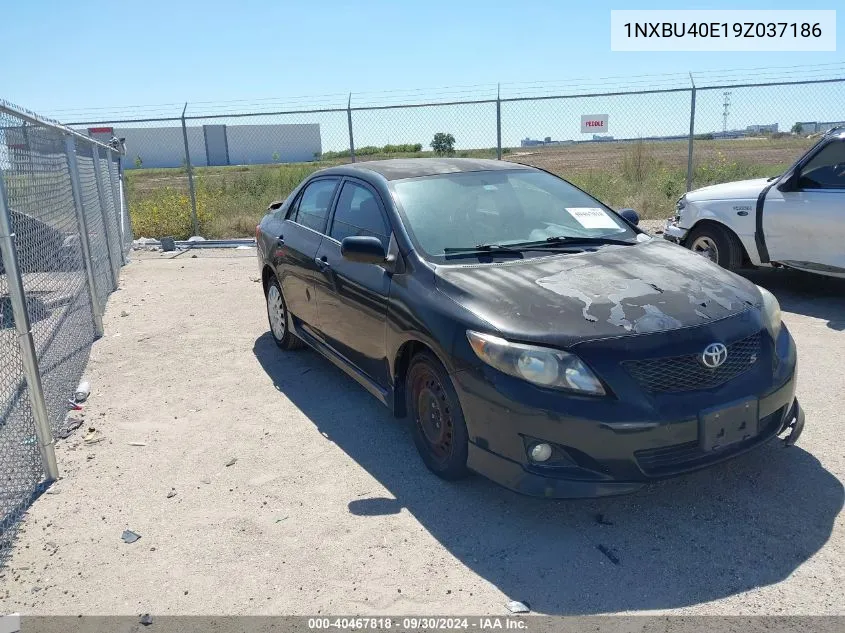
{"x": 673, "y": 232}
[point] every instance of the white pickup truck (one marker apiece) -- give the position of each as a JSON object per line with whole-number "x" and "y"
{"x": 795, "y": 220}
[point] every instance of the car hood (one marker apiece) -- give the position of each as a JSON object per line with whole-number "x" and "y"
{"x": 612, "y": 291}
{"x": 741, "y": 189}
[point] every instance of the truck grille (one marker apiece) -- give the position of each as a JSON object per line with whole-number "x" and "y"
{"x": 686, "y": 373}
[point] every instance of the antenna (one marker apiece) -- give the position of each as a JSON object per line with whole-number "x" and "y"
{"x": 726, "y": 105}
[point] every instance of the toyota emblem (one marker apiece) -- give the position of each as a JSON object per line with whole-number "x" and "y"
{"x": 714, "y": 355}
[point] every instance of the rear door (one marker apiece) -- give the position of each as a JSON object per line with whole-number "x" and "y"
{"x": 805, "y": 227}
{"x": 352, "y": 297}
{"x": 299, "y": 238}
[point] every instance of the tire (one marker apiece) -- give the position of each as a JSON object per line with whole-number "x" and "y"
{"x": 440, "y": 433}
{"x": 277, "y": 316}
{"x": 718, "y": 244}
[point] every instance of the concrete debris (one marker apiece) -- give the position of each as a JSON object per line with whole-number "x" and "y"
{"x": 71, "y": 424}
{"x": 515, "y": 606}
{"x": 129, "y": 536}
{"x": 93, "y": 436}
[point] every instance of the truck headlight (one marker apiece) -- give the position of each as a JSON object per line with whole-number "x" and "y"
{"x": 681, "y": 204}
{"x": 542, "y": 366}
{"x": 771, "y": 312}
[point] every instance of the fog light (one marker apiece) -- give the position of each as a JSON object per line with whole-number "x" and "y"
{"x": 540, "y": 452}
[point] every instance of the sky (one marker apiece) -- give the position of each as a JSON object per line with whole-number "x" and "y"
{"x": 107, "y": 59}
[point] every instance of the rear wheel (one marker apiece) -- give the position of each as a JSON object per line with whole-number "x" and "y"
{"x": 440, "y": 433}
{"x": 718, "y": 244}
{"x": 277, "y": 315}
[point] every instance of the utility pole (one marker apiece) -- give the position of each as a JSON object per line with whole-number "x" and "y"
{"x": 726, "y": 105}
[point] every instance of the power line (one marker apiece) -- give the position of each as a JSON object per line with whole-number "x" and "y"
{"x": 468, "y": 92}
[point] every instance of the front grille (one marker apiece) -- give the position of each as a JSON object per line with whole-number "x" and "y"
{"x": 669, "y": 460}
{"x": 686, "y": 373}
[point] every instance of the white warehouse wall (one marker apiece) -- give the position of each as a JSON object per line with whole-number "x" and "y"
{"x": 256, "y": 144}
{"x": 247, "y": 144}
{"x": 162, "y": 146}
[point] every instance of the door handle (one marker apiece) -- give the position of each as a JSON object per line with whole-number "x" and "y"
{"x": 322, "y": 263}
{"x": 281, "y": 240}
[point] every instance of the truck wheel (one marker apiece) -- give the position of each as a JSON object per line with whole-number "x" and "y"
{"x": 718, "y": 244}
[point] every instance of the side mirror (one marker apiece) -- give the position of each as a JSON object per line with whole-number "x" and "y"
{"x": 364, "y": 249}
{"x": 631, "y": 216}
{"x": 789, "y": 183}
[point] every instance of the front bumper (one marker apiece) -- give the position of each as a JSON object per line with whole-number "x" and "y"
{"x": 613, "y": 446}
{"x": 673, "y": 232}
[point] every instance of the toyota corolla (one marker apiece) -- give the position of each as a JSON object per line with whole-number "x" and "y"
{"x": 531, "y": 333}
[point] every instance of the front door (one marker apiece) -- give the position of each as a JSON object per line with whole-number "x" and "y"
{"x": 298, "y": 240}
{"x": 805, "y": 228}
{"x": 352, "y": 297}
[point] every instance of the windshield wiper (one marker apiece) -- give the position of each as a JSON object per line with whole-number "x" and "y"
{"x": 482, "y": 248}
{"x": 550, "y": 243}
{"x": 568, "y": 240}
{"x": 773, "y": 178}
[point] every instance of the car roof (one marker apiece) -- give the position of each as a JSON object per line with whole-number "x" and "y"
{"x": 399, "y": 168}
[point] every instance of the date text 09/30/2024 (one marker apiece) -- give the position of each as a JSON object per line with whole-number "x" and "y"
{"x": 414, "y": 623}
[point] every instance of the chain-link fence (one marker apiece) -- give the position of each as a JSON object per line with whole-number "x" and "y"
{"x": 639, "y": 148}
{"x": 63, "y": 235}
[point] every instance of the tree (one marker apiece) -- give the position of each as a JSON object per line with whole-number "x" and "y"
{"x": 796, "y": 129}
{"x": 443, "y": 144}
{"x": 138, "y": 162}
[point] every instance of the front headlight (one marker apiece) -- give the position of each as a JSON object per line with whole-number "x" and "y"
{"x": 771, "y": 312}
{"x": 681, "y": 204}
{"x": 542, "y": 366}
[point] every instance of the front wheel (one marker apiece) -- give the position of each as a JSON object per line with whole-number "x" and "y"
{"x": 277, "y": 315}
{"x": 440, "y": 433}
{"x": 718, "y": 244}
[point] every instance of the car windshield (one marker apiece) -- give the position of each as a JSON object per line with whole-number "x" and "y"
{"x": 466, "y": 210}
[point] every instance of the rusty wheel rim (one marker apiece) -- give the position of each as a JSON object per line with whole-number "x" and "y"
{"x": 433, "y": 416}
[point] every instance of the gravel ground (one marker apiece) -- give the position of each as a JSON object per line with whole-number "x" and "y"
{"x": 264, "y": 482}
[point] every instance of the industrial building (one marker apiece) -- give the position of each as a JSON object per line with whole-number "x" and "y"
{"x": 211, "y": 145}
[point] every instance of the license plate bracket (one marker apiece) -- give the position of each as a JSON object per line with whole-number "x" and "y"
{"x": 720, "y": 427}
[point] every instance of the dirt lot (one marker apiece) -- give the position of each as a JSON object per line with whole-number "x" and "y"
{"x": 572, "y": 159}
{"x": 329, "y": 509}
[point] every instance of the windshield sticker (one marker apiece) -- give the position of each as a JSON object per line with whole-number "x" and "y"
{"x": 491, "y": 188}
{"x": 592, "y": 218}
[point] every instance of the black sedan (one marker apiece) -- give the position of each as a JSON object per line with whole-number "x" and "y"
{"x": 532, "y": 334}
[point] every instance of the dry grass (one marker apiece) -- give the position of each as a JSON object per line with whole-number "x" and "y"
{"x": 646, "y": 176}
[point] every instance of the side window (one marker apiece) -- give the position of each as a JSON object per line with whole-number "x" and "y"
{"x": 312, "y": 208}
{"x": 358, "y": 213}
{"x": 826, "y": 170}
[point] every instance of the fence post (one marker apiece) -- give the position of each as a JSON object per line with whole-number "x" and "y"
{"x": 498, "y": 122}
{"x": 691, "y": 133}
{"x": 190, "y": 171}
{"x": 349, "y": 121}
{"x": 101, "y": 195}
{"x": 29, "y": 358}
{"x": 114, "y": 185}
{"x": 84, "y": 237}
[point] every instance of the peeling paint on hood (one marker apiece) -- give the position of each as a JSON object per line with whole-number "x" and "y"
{"x": 616, "y": 290}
